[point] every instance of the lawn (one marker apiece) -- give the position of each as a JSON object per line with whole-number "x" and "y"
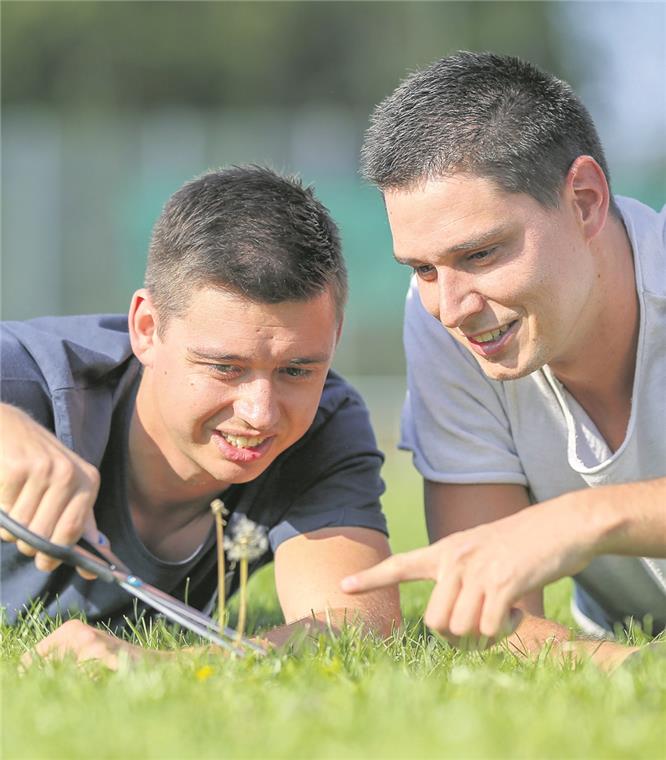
{"x": 410, "y": 697}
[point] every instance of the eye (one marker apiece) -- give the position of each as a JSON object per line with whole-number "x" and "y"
{"x": 426, "y": 272}
{"x": 226, "y": 370}
{"x": 296, "y": 371}
{"x": 480, "y": 255}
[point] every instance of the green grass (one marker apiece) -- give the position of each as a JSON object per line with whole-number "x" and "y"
{"x": 349, "y": 697}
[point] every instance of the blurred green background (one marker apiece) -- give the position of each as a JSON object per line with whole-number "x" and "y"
{"x": 108, "y": 107}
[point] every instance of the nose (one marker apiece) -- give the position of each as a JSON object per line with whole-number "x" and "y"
{"x": 451, "y": 297}
{"x": 257, "y": 404}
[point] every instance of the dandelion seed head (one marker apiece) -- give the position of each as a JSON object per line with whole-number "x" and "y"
{"x": 248, "y": 540}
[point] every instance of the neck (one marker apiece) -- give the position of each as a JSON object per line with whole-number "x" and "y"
{"x": 604, "y": 358}
{"x": 599, "y": 373}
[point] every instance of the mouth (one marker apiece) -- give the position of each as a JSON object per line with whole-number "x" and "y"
{"x": 242, "y": 448}
{"x": 490, "y": 342}
{"x": 242, "y": 441}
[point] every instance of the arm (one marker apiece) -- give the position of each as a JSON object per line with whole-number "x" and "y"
{"x": 484, "y": 571}
{"x": 308, "y": 571}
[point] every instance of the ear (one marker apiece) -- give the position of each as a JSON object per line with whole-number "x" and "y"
{"x": 586, "y": 187}
{"x": 142, "y": 322}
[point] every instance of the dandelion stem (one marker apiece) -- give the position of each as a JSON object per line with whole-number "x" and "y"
{"x": 220, "y": 511}
{"x": 242, "y": 602}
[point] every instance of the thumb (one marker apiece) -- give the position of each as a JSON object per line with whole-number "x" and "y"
{"x": 92, "y": 534}
{"x": 96, "y": 538}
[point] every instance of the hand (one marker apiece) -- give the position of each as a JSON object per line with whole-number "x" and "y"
{"x": 481, "y": 573}
{"x": 606, "y": 655}
{"x": 44, "y": 486}
{"x": 85, "y": 643}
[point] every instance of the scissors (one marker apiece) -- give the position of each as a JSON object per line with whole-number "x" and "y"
{"x": 107, "y": 567}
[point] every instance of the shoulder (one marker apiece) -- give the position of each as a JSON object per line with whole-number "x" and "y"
{"x": 65, "y": 352}
{"x": 646, "y": 229}
{"x": 69, "y": 373}
{"x": 338, "y": 393}
{"x": 341, "y": 409}
{"x": 22, "y": 383}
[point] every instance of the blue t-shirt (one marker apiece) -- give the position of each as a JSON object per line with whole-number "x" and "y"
{"x": 77, "y": 376}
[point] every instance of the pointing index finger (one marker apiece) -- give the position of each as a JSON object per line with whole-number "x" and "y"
{"x": 410, "y": 566}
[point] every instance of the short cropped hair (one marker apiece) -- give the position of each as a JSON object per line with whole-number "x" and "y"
{"x": 247, "y": 230}
{"x": 482, "y": 114}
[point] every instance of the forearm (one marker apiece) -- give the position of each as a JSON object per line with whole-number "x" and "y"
{"x": 331, "y": 621}
{"x": 628, "y": 518}
{"x": 536, "y": 635}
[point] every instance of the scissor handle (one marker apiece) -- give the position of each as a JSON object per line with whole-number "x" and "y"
{"x": 73, "y": 556}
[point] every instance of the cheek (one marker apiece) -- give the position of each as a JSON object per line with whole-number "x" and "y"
{"x": 302, "y": 405}
{"x": 429, "y": 295}
{"x": 192, "y": 396}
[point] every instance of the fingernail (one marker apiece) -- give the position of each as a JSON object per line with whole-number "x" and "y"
{"x": 102, "y": 540}
{"x": 349, "y": 583}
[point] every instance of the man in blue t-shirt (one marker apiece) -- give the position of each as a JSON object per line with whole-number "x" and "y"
{"x": 218, "y": 384}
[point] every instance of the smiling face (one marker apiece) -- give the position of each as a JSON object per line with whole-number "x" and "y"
{"x": 231, "y": 384}
{"x": 510, "y": 279}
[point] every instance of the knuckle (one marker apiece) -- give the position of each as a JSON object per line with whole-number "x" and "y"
{"x": 65, "y": 471}
{"x": 71, "y": 627}
{"x": 77, "y": 631}
{"x": 14, "y": 471}
{"x": 93, "y": 477}
{"x": 87, "y": 638}
{"x": 71, "y": 525}
{"x": 41, "y": 467}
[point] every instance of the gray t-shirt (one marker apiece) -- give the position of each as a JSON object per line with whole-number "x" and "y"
{"x": 465, "y": 428}
{"x": 77, "y": 376}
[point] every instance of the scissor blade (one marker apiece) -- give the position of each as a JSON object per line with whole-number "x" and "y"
{"x": 173, "y": 608}
{"x": 141, "y": 593}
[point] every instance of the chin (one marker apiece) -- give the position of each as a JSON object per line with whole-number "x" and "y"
{"x": 502, "y": 373}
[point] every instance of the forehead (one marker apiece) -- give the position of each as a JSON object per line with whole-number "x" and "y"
{"x": 451, "y": 211}
{"x": 226, "y": 322}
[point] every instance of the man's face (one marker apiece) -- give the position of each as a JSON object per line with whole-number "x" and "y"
{"x": 232, "y": 384}
{"x": 509, "y": 279}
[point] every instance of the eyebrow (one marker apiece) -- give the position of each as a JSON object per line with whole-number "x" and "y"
{"x": 215, "y": 356}
{"x": 471, "y": 245}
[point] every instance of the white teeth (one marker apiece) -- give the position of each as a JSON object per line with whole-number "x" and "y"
{"x": 486, "y": 337}
{"x": 241, "y": 442}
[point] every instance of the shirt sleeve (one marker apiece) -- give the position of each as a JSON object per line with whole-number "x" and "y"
{"x": 340, "y": 467}
{"x": 21, "y": 382}
{"x": 453, "y": 419}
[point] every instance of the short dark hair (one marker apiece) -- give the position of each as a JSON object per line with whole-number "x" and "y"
{"x": 484, "y": 114}
{"x": 248, "y": 230}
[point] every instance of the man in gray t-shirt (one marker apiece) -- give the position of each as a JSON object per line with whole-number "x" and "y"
{"x": 536, "y": 359}
{"x": 218, "y": 384}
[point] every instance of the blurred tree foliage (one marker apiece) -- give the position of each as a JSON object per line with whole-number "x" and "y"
{"x": 238, "y": 54}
